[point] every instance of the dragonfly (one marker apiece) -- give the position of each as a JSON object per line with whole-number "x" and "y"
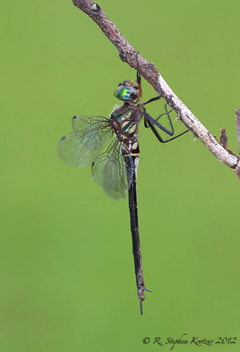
{"x": 111, "y": 146}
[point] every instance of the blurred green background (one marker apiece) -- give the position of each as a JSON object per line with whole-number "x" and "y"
{"x": 67, "y": 275}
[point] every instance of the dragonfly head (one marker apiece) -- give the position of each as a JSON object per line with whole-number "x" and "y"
{"x": 128, "y": 91}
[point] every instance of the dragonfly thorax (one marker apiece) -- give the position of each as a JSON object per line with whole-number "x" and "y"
{"x": 125, "y": 120}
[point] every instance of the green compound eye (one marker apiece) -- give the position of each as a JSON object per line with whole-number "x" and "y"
{"x": 126, "y": 93}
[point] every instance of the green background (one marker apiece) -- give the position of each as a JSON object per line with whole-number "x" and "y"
{"x": 67, "y": 276}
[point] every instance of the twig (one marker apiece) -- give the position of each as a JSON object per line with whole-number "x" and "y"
{"x": 128, "y": 54}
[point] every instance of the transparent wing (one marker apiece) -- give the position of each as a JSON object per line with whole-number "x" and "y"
{"x": 113, "y": 170}
{"x": 81, "y": 147}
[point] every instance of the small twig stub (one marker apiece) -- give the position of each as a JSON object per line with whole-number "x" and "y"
{"x": 223, "y": 138}
{"x": 238, "y": 127}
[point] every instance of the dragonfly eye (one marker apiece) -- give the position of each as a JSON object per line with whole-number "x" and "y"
{"x": 126, "y": 93}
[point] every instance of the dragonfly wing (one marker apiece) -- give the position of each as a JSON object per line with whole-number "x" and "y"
{"x": 93, "y": 123}
{"x": 81, "y": 147}
{"x": 113, "y": 170}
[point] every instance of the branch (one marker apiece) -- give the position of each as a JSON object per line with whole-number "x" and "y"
{"x": 128, "y": 54}
{"x": 237, "y": 169}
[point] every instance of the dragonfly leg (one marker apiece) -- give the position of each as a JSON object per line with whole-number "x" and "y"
{"x": 155, "y": 98}
{"x": 140, "y": 87}
{"x": 138, "y": 76}
{"x": 150, "y": 122}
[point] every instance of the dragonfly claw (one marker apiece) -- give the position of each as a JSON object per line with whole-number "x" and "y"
{"x": 141, "y": 297}
{"x": 141, "y": 311}
{"x": 146, "y": 289}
